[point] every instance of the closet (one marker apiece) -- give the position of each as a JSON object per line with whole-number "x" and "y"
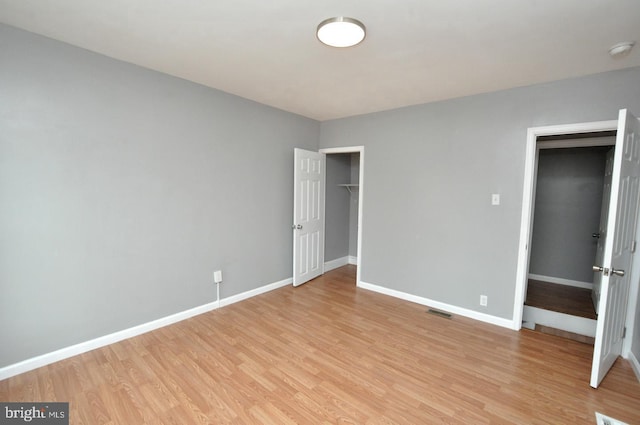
{"x": 341, "y": 209}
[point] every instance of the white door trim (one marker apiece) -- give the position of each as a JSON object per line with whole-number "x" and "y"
{"x": 526, "y": 222}
{"x": 360, "y": 150}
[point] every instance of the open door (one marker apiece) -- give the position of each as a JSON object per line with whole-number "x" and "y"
{"x": 308, "y": 215}
{"x": 602, "y": 227}
{"x": 619, "y": 246}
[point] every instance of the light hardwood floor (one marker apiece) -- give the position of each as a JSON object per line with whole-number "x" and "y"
{"x": 561, "y": 298}
{"x": 327, "y": 352}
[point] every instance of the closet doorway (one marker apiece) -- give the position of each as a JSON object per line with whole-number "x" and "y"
{"x": 614, "y": 272}
{"x": 570, "y": 200}
{"x": 309, "y": 211}
{"x": 343, "y": 212}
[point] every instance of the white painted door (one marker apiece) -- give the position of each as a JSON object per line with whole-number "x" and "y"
{"x": 308, "y": 215}
{"x": 618, "y": 247}
{"x": 602, "y": 228}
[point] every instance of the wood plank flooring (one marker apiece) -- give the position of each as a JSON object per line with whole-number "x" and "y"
{"x": 328, "y": 352}
{"x": 560, "y": 298}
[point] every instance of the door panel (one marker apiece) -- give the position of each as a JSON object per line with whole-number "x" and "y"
{"x": 308, "y": 215}
{"x": 618, "y": 247}
{"x": 602, "y": 228}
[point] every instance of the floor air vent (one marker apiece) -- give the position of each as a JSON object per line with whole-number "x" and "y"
{"x": 439, "y": 313}
{"x": 605, "y": 420}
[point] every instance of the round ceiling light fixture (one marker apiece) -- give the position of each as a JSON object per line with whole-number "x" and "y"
{"x": 341, "y": 32}
{"x": 621, "y": 49}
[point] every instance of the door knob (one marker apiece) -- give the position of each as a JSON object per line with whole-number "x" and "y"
{"x": 604, "y": 270}
{"x": 595, "y": 235}
{"x": 617, "y": 272}
{"x": 299, "y": 226}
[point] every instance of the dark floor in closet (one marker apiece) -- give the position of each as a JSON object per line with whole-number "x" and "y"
{"x": 561, "y": 298}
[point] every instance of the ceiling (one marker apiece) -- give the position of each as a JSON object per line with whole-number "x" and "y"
{"x": 415, "y": 51}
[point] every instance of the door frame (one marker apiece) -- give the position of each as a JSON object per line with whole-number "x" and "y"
{"x": 528, "y": 201}
{"x": 360, "y": 150}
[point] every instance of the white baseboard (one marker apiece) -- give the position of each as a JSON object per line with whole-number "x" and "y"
{"x": 334, "y": 264}
{"x": 252, "y": 293}
{"x": 561, "y": 281}
{"x": 483, "y": 317}
{"x": 578, "y": 325}
{"x": 635, "y": 365}
{"x": 339, "y": 262}
{"x": 83, "y": 347}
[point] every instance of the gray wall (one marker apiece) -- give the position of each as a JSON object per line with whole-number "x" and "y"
{"x": 122, "y": 189}
{"x": 567, "y": 211}
{"x": 353, "y": 208}
{"x": 429, "y": 228}
{"x": 336, "y": 240}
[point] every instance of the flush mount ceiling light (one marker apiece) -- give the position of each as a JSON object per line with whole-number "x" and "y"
{"x": 621, "y": 49}
{"x": 340, "y": 32}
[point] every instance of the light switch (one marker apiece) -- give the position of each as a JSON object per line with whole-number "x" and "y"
{"x": 495, "y": 199}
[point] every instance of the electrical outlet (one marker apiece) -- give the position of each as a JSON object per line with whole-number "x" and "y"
{"x": 495, "y": 199}
{"x": 217, "y": 276}
{"x": 483, "y": 300}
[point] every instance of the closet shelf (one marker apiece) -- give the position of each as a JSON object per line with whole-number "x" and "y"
{"x": 350, "y": 187}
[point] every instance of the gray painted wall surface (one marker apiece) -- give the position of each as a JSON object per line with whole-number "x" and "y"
{"x": 429, "y": 228}
{"x": 336, "y": 240}
{"x": 567, "y": 211}
{"x": 122, "y": 189}
{"x": 353, "y": 208}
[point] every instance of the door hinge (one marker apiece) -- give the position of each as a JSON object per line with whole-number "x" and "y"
{"x": 624, "y": 332}
{"x": 633, "y": 246}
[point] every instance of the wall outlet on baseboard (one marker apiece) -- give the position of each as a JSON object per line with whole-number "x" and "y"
{"x": 483, "y": 300}
{"x": 217, "y": 276}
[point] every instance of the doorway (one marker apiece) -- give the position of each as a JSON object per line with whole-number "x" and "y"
{"x": 528, "y": 197}
{"x": 568, "y": 203}
{"x": 341, "y": 209}
{"x": 615, "y": 269}
{"x": 310, "y": 190}
{"x": 355, "y": 189}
